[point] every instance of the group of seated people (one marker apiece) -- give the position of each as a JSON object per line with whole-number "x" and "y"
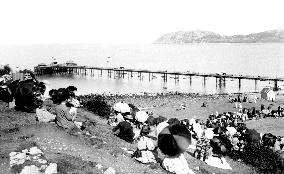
{"x": 226, "y": 136}
{"x": 56, "y": 105}
{"x": 253, "y": 113}
{"x": 61, "y": 108}
{"x": 243, "y": 99}
{"x": 152, "y": 133}
{"x": 25, "y": 94}
{"x": 219, "y": 136}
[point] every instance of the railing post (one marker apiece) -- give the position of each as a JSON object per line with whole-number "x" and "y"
{"x": 216, "y": 83}
{"x": 204, "y": 81}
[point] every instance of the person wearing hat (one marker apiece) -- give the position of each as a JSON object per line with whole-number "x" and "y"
{"x": 146, "y": 147}
{"x": 125, "y": 131}
{"x": 173, "y": 141}
{"x": 29, "y": 75}
{"x": 63, "y": 117}
{"x": 28, "y": 94}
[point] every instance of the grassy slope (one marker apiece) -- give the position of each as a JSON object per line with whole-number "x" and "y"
{"x": 79, "y": 154}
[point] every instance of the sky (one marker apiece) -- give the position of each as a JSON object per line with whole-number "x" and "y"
{"x": 131, "y": 21}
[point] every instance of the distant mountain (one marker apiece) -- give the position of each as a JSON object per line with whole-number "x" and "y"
{"x": 183, "y": 37}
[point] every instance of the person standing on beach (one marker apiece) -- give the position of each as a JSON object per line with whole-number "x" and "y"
{"x": 236, "y": 103}
{"x": 239, "y": 99}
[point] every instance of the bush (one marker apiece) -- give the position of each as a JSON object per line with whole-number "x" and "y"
{"x": 96, "y": 104}
{"x": 265, "y": 160}
{"x": 5, "y": 70}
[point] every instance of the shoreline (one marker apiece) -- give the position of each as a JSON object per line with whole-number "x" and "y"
{"x": 132, "y": 86}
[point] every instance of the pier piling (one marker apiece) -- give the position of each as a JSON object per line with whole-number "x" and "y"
{"x": 240, "y": 84}
{"x": 120, "y": 72}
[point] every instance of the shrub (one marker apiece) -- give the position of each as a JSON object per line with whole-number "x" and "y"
{"x": 5, "y": 70}
{"x": 96, "y": 104}
{"x": 265, "y": 160}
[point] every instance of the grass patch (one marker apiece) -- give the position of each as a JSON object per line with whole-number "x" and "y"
{"x": 26, "y": 145}
{"x": 97, "y": 104}
{"x": 67, "y": 164}
{"x": 11, "y": 130}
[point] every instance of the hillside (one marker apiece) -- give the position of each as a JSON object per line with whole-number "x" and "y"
{"x": 183, "y": 37}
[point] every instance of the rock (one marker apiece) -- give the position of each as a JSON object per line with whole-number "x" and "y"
{"x": 30, "y": 170}
{"x": 51, "y": 169}
{"x": 43, "y": 167}
{"x": 197, "y": 168}
{"x": 110, "y": 170}
{"x": 35, "y": 150}
{"x": 99, "y": 166}
{"x": 25, "y": 151}
{"x": 13, "y": 154}
{"x": 19, "y": 158}
{"x": 42, "y": 161}
{"x": 28, "y": 158}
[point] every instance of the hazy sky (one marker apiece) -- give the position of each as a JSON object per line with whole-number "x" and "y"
{"x": 131, "y": 21}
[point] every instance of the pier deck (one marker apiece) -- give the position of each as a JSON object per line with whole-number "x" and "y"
{"x": 55, "y": 69}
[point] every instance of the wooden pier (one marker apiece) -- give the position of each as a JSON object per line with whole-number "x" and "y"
{"x": 121, "y": 72}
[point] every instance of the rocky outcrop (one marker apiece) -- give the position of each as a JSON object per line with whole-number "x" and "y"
{"x": 32, "y": 162}
{"x": 183, "y": 37}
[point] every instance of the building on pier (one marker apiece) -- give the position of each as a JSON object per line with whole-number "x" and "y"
{"x": 70, "y": 63}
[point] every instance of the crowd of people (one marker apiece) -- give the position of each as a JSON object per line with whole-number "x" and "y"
{"x": 208, "y": 140}
{"x": 256, "y": 113}
{"x": 220, "y": 135}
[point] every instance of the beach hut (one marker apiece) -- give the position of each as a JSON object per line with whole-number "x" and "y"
{"x": 268, "y": 94}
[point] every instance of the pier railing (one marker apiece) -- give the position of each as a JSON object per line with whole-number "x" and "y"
{"x": 220, "y": 78}
{"x": 56, "y": 69}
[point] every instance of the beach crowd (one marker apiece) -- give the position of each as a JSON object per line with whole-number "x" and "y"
{"x": 211, "y": 140}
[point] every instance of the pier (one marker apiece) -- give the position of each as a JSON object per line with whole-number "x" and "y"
{"x": 121, "y": 72}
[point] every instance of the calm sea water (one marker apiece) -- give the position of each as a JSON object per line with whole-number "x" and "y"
{"x": 249, "y": 59}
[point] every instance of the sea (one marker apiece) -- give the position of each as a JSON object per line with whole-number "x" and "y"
{"x": 259, "y": 59}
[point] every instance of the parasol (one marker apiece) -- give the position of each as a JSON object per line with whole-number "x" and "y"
{"x": 174, "y": 139}
{"x": 141, "y": 116}
{"x": 121, "y": 107}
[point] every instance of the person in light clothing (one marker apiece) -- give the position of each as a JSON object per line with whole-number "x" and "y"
{"x": 47, "y": 89}
{"x": 177, "y": 165}
{"x": 147, "y": 147}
